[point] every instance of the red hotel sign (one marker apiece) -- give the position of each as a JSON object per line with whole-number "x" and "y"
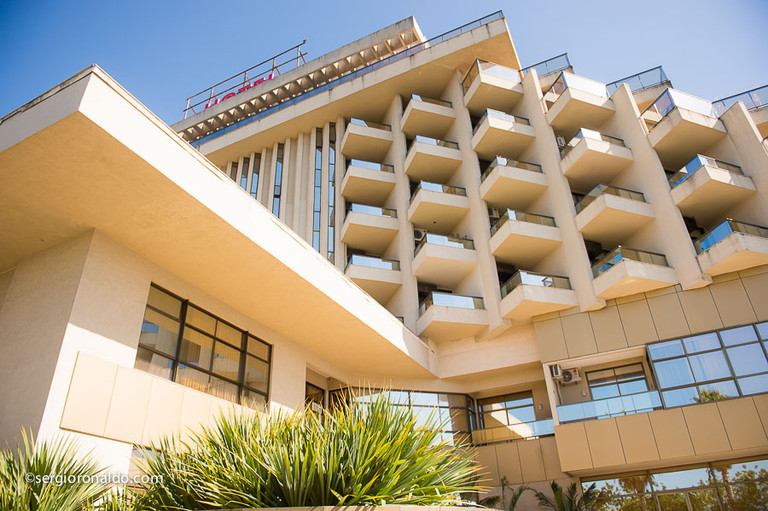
{"x": 241, "y": 89}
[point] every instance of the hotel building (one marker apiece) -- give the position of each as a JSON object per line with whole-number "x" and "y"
{"x": 574, "y": 272}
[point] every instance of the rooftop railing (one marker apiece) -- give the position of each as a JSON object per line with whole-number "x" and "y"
{"x": 439, "y": 188}
{"x": 425, "y": 99}
{"x": 610, "y": 407}
{"x": 721, "y": 231}
{"x": 567, "y": 80}
{"x": 373, "y": 262}
{"x": 752, "y": 99}
{"x": 530, "y": 278}
{"x": 371, "y": 210}
{"x": 522, "y": 216}
{"x": 603, "y": 189}
{"x": 640, "y": 81}
{"x": 532, "y": 429}
{"x": 698, "y": 162}
{"x": 443, "y": 241}
{"x": 484, "y": 67}
{"x": 549, "y": 66}
{"x": 450, "y": 300}
{"x": 594, "y": 135}
{"x": 369, "y": 124}
{"x": 508, "y": 162}
{"x": 620, "y": 254}
{"x": 432, "y": 141}
{"x": 489, "y": 112}
{"x": 370, "y": 165}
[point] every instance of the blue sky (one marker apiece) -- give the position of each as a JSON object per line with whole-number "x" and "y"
{"x": 165, "y": 51}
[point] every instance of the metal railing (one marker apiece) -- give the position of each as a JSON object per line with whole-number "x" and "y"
{"x": 356, "y": 74}
{"x": 522, "y": 216}
{"x": 752, "y": 99}
{"x": 642, "y": 80}
{"x": 489, "y": 112}
{"x": 370, "y": 165}
{"x": 671, "y": 99}
{"x": 603, "y": 189}
{"x": 721, "y": 231}
{"x": 432, "y": 141}
{"x": 698, "y": 162}
{"x": 594, "y": 135}
{"x": 549, "y": 66}
{"x": 610, "y": 407}
{"x": 532, "y": 429}
{"x": 530, "y": 278}
{"x": 368, "y": 124}
{"x": 373, "y": 262}
{"x": 620, "y": 253}
{"x": 451, "y": 300}
{"x": 480, "y": 66}
{"x": 425, "y": 99}
{"x": 508, "y": 162}
{"x": 370, "y": 210}
{"x": 437, "y": 187}
{"x": 444, "y": 241}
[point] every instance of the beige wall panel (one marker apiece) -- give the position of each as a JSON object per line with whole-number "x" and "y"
{"x": 671, "y": 433}
{"x": 706, "y": 428}
{"x": 579, "y": 338}
{"x": 700, "y": 310}
{"x": 164, "y": 410}
{"x": 531, "y": 461}
{"x": 195, "y": 411}
{"x": 761, "y": 404}
{"x": 573, "y": 447}
{"x": 551, "y": 339}
{"x": 742, "y": 423}
{"x": 668, "y": 316}
{"x": 604, "y": 443}
{"x": 757, "y": 291}
{"x": 637, "y": 438}
{"x": 508, "y": 459}
{"x": 551, "y": 458}
{"x": 732, "y": 303}
{"x": 90, "y": 392}
{"x": 638, "y": 323}
{"x": 128, "y": 409}
{"x": 609, "y": 332}
{"x": 486, "y": 457}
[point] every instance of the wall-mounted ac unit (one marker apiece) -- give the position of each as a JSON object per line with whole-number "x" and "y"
{"x": 418, "y": 234}
{"x": 570, "y": 376}
{"x": 560, "y": 142}
{"x": 556, "y": 372}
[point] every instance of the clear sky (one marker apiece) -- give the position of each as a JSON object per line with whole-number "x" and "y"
{"x": 164, "y": 51}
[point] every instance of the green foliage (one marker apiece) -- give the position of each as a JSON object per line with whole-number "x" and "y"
{"x": 22, "y": 477}
{"x": 568, "y": 499}
{"x": 707, "y": 396}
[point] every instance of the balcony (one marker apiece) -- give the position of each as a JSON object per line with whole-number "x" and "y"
{"x": 646, "y": 86}
{"x": 756, "y": 101}
{"x": 732, "y": 246}
{"x": 521, "y": 430}
{"x": 611, "y": 407}
{"x": 575, "y": 102}
{"x": 379, "y": 277}
{"x": 368, "y": 182}
{"x": 609, "y": 214}
{"x": 527, "y": 294}
{"x": 512, "y": 184}
{"x": 706, "y": 187}
{"x": 591, "y": 157}
{"x": 489, "y": 85}
{"x": 432, "y": 159}
{"x": 626, "y": 271}
{"x": 443, "y": 260}
{"x": 500, "y": 134}
{"x": 523, "y": 239}
{"x": 427, "y": 116}
{"x": 437, "y": 207}
{"x": 549, "y": 70}
{"x": 681, "y": 125}
{"x": 449, "y": 317}
{"x": 369, "y": 228}
{"x": 366, "y": 140}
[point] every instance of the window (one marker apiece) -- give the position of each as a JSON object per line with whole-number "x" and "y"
{"x": 318, "y": 189}
{"x": 506, "y": 410}
{"x": 314, "y": 397}
{"x": 618, "y": 381}
{"x": 183, "y": 343}
{"x": 716, "y": 365}
{"x": 278, "y": 181}
{"x": 331, "y": 190}
{"x": 255, "y": 175}
{"x": 233, "y": 171}
{"x": 244, "y": 173}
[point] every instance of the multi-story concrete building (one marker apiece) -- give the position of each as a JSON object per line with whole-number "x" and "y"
{"x": 574, "y": 272}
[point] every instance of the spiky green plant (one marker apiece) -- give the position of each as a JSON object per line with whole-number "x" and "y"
{"x": 23, "y": 472}
{"x": 357, "y": 454}
{"x": 567, "y": 499}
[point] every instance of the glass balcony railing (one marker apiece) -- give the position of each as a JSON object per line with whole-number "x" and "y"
{"x": 382, "y": 167}
{"x": 542, "y": 427}
{"x": 567, "y": 80}
{"x": 530, "y": 278}
{"x": 721, "y": 231}
{"x": 489, "y": 112}
{"x": 611, "y": 407}
{"x": 603, "y": 189}
{"x": 698, "y": 162}
{"x": 451, "y": 300}
{"x": 671, "y": 99}
{"x": 444, "y": 241}
{"x": 373, "y": 262}
{"x": 425, "y": 99}
{"x": 371, "y": 210}
{"x": 592, "y": 134}
{"x": 485, "y": 67}
{"x": 752, "y": 99}
{"x": 549, "y": 66}
{"x": 432, "y": 141}
{"x": 522, "y": 216}
{"x": 620, "y": 253}
{"x": 361, "y": 122}
{"x": 439, "y": 188}
{"x": 507, "y": 162}
{"x": 640, "y": 81}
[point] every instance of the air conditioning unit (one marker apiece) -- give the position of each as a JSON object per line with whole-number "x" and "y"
{"x": 494, "y": 213}
{"x": 556, "y": 372}
{"x": 570, "y": 376}
{"x": 418, "y": 234}
{"x": 560, "y": 142}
